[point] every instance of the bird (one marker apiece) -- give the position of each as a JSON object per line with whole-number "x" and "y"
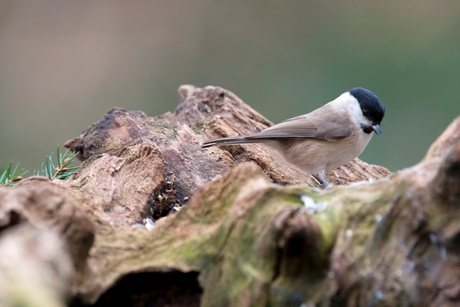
{"x": 324, "y": 139}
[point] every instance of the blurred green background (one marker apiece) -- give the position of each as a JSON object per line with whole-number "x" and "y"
{"x": 64, "y": 64}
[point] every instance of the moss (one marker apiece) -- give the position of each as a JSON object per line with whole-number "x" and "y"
{"x": 229, "y": 233}
{"x": 164, "y": 128}
{"x": 198, "y": 127}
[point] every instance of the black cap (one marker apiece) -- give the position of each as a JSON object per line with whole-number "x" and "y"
{"x": 370, "y": 104}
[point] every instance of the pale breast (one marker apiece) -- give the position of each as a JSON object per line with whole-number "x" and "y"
{"x": 315, "y": 156}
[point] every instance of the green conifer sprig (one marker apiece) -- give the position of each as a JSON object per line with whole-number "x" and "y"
{"x": 11, "y": 175}
{"x": 61, "y": 170}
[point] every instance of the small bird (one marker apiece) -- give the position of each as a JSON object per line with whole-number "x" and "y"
{"x": 324, "y": 139}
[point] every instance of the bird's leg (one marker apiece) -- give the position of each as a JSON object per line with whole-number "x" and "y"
{"x": 322, "y": 179}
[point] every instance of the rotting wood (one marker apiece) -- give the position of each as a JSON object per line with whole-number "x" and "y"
{"x": 240, "y": 240}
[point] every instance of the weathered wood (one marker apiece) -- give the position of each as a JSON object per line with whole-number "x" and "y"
{"x": 45, "y": 237}
{"x": 238, "y": 239}
{"x": 202, "y": 114}
{"x": 41, "y": 203}
{"x": 35, "y": 267}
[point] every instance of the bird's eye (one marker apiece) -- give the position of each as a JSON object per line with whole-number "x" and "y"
{"x": 366, "y": 113}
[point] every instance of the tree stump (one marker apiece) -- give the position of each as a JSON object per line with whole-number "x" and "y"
{"x": 236, "y": 225}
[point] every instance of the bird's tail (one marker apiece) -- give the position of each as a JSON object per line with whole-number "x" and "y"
{"x": 227, "y": 141}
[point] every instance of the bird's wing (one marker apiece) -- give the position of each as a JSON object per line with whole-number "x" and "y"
{"x": 311, "y": 125}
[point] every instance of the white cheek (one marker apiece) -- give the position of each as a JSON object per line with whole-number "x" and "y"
{"x": 355, "y": 110}
{"x": 356, "y": 114}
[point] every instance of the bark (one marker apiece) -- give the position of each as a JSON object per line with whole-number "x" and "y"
{"x": 35, "y": 267}
{"x": 225, "y": 234}
{"x": 44, "y": 238}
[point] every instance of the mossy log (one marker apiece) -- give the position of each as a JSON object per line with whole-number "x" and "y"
{"x": 237, "y": 226}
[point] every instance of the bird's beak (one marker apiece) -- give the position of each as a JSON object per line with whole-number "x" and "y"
{"x": 376, "y": 129}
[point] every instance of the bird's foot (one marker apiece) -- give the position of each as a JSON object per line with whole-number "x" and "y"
{"x": 321, "y": 180}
